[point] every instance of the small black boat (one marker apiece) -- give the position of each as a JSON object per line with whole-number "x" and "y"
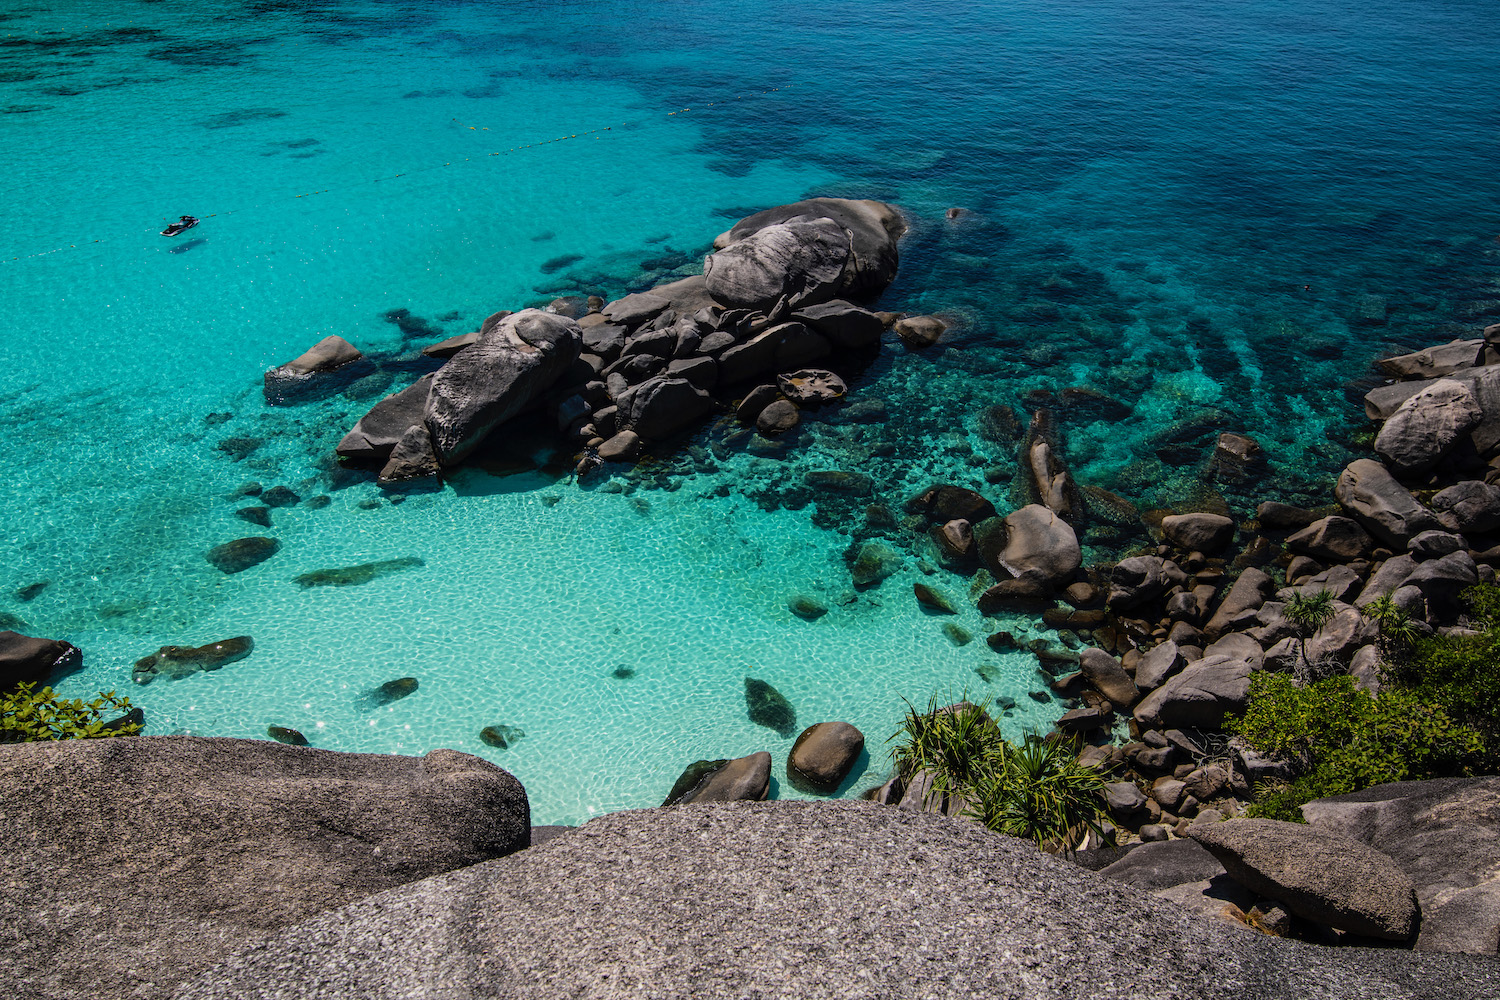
{"x": 181, "y": 226}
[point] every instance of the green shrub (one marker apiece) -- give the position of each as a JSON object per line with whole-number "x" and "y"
{"x": 1344, "y": 740}
{"x": 27, "y": 716}
{"x": 1036, "y": 791}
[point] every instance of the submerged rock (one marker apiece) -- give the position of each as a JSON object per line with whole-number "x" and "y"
{"x": 177, "y": 662}
{"x": 501, "y": 736}
{"x": 768, "y": 707}
{"x": 326, "y": 355}
{"x": 353, "y": 576}
{"x": 255, "y": 515}
{"x": 806, "y": 608}
{"x": 388, "y": 692}
{"x": 873, "y": 562}
{"x": 933, "y": 599}
{"x": 242, "y": 553}
{"x": 282, "y": 734}
{"x": 32, "y": 591}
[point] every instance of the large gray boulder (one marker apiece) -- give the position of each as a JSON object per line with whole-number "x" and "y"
{"x": 845, "y": 324}
{"x": 1472, "y": 507}
{"x": 1038, "y": 546}
{"x": 134, "y": 863}
{"x": 1335, "y": 538}
{"x": 802, "y": 262}
{"x": 1431, "y": 362}
{"x": 1445, "y": 834}
{"x": 1108, "y": 676}
{"x": 800, "y": 899}
{"x": 1199, "y": 697}
{"x": 823, "y": 756}
{"x": 743, "y": 779}
{"x": 327, "y": 355}
{"x": 488, "y": 383}
{"x": 377, "y": 433}
{"x": 1427, "y": 426}
{"x": 1198, "y": 532}
{"x": 1318, "y": 875}
{"x": 1162, "y": 865}
{"x": 1384, "y": 507}
{"x": 1245, "y": 596}
{"x": 873, "y": 228}
{"x": 659, "y": 406}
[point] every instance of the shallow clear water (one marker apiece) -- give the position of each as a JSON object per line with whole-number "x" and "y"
{"x": 1214, "y": 215}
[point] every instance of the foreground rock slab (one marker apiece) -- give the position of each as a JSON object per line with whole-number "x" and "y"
{"x": 134, "y": 863}
{"x": 797, "y": 899}
{"x": 1322, "y": 876}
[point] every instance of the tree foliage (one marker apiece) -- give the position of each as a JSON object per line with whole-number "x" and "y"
{"x": 28, "y": 715}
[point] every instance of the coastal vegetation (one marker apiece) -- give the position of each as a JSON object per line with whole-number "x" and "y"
{"x": 28, "y": 715}
{"x": 1435, "y": 714}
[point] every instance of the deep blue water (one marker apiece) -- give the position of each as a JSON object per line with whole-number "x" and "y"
{"x": 1213, "y": 215}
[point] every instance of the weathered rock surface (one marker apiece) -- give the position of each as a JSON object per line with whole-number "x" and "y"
{"x": 1198, "y": 532}
{"x": 1339, "y": 539}
{"x": 135, "y": 863}
{"x": 1427, "y": 426}
{"x": 801, "y": 262}
{"x": 326, "y": 355}
{"x": 1431, "y": 362}
{"x": 1159, "y": 663}
{"x": 1318, "y": 875}
{"x": 1040, "y": 546}
{"x": 744, "y": 779}
{"x": 1200, "y": 696}
{"x": 1384, "y": 507}
{"x": 412, "y": 458}
{"x": 796, "y": 899}
{"x": 659, "y": 407}
{"x": 27, "y": 659}
{"x": 1469, "y": 507}
{"x": 873, "y": 227}
{"x": 1153, "y": 867}
{"x": 1108, "y": 677}
{"x": 1247, "y": 594}
{"x": 493, "y": 380}
{"x": 1444, "y": 834}
{"x": 823, "y": 756}
{"x": 378, "y": 432}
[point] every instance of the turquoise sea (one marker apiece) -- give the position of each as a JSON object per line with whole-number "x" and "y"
{"x": 1210, "y": 216}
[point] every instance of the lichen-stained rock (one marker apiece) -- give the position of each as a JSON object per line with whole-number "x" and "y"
{"x": 135, "y": 863}
{"x": 1384, "y": 507}
{"x": 1321, "y": 876}
{"x": 378, "y": 432}
{"x": 1199, "y": 697}
{"x": 492, "y": 381}
{"x": 795, "y": 899}
{"x": 1427, "y": 426}
{"x": 873, "y": 228}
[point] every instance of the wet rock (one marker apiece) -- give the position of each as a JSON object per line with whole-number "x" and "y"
{"x": 1237, "y": 457}
{"x": 917, "y": 332}
{"x": 769, "y": 707}
{"x": 872, "y": 562}
{"x": 1200, "y": 697}
{"x": 872, "y": 229}
{"x": 501, "y": 737}
{"x": 957, "y": 634}
{"x": 811, "y": 386}
{"x": 239, "y": 448}
{"x": 486, "y": 384}
{"x": 390, "y": 691}
{"x": 745, "y": 779}
{"x": 1206, "y": 533}
{"x": 933, "y": 599}
{"x": 1319, "y": 876}
{"x": 1384, "y": 507}
{"x": 31, "y": 591}
{"x": 1339, "y": 539}
{"x": 326, "y": 355}
{"x": 852, "y": 484}
{"x": 177, "y": 662}
{"x": 1427, "y": 426}
{"x": 823, "y": 756}
{"x": 354, "y": 576}
{"x": 778, "y": 417}
{"x": 242, "y": 553}
{"x": 27, "y": 659}
{"x": 377, "y": 433}
{"x": 1051, "y": 482}
{"x": 806, "y": 608}
{"x": 255, "y": 515}
{"x": 280, "y": 496}
{"x": 283, "y": 734}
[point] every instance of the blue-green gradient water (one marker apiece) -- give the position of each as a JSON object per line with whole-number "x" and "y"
{"x": 1213, "y": 214}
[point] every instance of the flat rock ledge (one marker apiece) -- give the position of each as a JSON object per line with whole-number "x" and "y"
{"x": 799, "y": 899}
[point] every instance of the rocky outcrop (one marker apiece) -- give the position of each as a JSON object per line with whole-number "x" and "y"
{"x": 796, "y": 899}
{"x": 1320, "y": 876}
{"x": 1384, "y": 507}
{"x": 135, "y": 863}
{"x": 491, "y": 381}
{"x": 1427, "y": 426}
{"x": 1445, "y": 835}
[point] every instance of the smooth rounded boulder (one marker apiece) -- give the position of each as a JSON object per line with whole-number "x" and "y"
{"x": 1321, "y": 876}
{"x": 134, "y": 863}
{"x": 1199, "y": 697}
{"x": 873, "y": 227}
{"x": 494, "y": 379}
{"x": 744, "y": 779}
{"x": 823, "y": 756}
{"x": 1427, "y": 426}
{"x": 1384, "y": 507}
{"x": 1039, "y": 545}
{"x": 1198, "y": 532}
{"x": 801, "y": 262}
